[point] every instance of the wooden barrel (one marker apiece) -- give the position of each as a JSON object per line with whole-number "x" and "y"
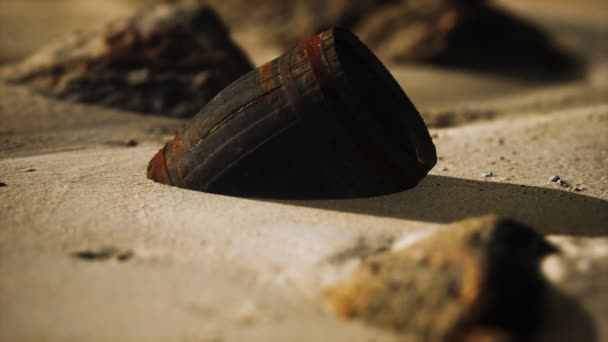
{"x": 325, "y": 120}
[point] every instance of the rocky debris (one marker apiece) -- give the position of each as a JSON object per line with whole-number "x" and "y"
{"x": 131, "y": 143}
{"x": 479, "y": 278}
{"x": 104, "y": 254}
{"x": 2, "y": 184}
{"x": 463, "y": 33}
{"x": 127, "y": 143}
{"x": 487, "y": 175}
{"x": 565, "y": 184}
{"x": 555, "y": 179}
{"x": 168, "y": 59}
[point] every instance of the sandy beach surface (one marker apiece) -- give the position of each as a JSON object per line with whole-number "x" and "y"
{"x": 90, "y": 249}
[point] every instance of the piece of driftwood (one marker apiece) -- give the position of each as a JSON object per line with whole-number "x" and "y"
{"x": 476, "y": 280}
{"x": 168, "y": 59}
{"x": 325, "y": 120}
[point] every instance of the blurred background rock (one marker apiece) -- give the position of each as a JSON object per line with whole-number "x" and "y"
{"x": 450, "y": 47}
{"x": 390, "y": 27}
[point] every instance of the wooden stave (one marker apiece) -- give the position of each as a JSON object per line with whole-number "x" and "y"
{"x": 293, "y": 107}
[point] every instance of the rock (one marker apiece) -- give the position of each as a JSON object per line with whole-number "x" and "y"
{"x": 168, "y": 59}
{"x": 477, "y": 278}
{"x": 463, "y": 33}
{"x": 468, "y": 34}
{"x": 131, "y": 143}
{"x": 554, "y": 179}
{"x": 559, "y": 181}
{"x": 104, "y": 254}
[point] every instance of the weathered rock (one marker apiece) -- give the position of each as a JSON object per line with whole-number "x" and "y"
{"x": 475, "y": 280}
{"x": 166, "y": 59}
{"x": 469, "y": 34}
{"x": 464, "y": 33}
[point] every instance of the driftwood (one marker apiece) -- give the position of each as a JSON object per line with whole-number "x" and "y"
{"x": 167, "y": 59}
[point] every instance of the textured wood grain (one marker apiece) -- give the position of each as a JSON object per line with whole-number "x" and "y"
{"x": 325, "y": 120}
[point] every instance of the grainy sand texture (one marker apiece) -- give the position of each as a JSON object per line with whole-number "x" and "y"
{"x": 92, "y": 250}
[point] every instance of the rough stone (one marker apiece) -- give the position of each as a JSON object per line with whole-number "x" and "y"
{"x": 168, "y": 59}
{"x": 477, "y": 278}
{"x": 462, "y": 33}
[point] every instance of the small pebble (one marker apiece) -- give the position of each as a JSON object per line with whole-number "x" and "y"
{"x": 132, "y": 143}
{"x": 29, "y": 170}
{"x": 487, "y": 174}
{"x": 558, "y": 180}
{"x": 2, "y": 184}
{"x": 579, "y": 188}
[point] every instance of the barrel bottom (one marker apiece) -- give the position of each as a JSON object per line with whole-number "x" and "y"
{"x": 293, "y": 166}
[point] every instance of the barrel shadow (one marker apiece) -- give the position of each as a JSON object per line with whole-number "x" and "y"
{"x": 445, "y": 199}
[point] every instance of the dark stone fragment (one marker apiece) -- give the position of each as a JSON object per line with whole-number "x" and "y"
{"x": 149, "y": 62}
{"x": 104, "y": 254}
{"x": 132, "y": 143}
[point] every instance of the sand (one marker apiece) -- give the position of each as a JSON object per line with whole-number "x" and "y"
{"x": 203, "y": 267}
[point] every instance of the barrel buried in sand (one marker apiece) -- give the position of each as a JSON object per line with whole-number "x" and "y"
{"x": 325, "y": 120}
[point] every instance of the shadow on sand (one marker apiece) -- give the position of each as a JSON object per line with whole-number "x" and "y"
{"x": 565, "y": 319}
{"x": 445, "y": 199}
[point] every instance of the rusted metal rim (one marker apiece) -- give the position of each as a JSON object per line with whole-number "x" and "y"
{"x": 157, "y": 169}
